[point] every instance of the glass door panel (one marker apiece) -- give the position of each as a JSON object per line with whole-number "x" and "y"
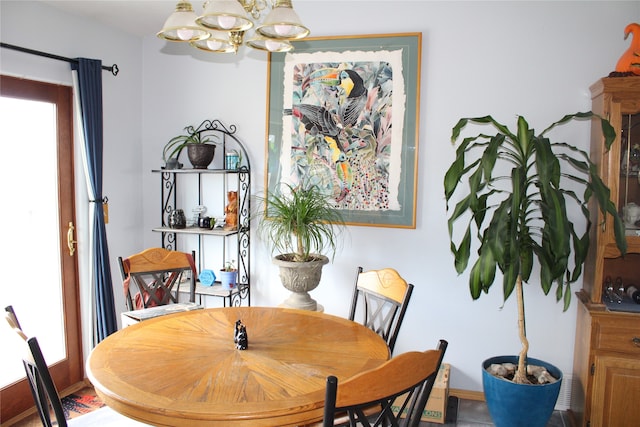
{"x": 32, "y": 282}
{"x": 629, "y": 191}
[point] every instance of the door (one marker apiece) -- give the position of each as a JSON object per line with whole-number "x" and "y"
{"x": 39, "y": 274}
{"x": 616, "y": 392}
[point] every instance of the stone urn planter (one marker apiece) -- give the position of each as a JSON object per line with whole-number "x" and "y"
{"x": 300, "y": 278}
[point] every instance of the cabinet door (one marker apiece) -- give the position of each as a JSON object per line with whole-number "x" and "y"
{"x": 616, "y": 392}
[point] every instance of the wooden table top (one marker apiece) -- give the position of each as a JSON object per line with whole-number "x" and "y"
{"x": 183, "y": 369}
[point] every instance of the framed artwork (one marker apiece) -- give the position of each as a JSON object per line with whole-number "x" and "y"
{"x": 343, "y": 114}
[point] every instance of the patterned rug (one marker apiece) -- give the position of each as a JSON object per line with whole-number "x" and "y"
{"x": 80, "y": 403}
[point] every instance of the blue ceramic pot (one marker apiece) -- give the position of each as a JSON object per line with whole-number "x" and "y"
{"x": 520, "y": 405}
{"x": 228, "y": 279}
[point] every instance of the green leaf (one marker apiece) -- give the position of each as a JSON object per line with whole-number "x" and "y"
{"x": 497, "y": 233}
{"x": 463, "y": 252}
{"x": 461, "y": 207}
{"x": 522, "y": 142}
{"x": 488, "y": 269}
{"x": 510, "y": 275}
{"x": 567, "y": 297}
{"x": 475, "y": 283}
{"x": 546, "y": 274}
{"x": 490, "y": 155}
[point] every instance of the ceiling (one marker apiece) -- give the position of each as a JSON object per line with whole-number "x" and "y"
{"x": 139, "y": 17}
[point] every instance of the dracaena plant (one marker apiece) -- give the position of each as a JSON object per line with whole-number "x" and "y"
{"x": 517, "y": 188}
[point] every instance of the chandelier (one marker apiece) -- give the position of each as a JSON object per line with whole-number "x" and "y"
{"x": 223, "y": 23}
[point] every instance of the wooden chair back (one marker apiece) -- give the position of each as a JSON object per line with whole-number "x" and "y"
{"x": 381, "y": 297}
{"x": 399, "y": 388}
{"x": 155, "y": 272}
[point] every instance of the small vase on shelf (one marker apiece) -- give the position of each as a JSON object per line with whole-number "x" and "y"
{"x": 228, "y": 276}
{"x": 228, "y": 279}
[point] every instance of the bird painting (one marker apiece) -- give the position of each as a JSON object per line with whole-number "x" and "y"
{"x": 629, "y": 62}
{"x": 339, "y": 116}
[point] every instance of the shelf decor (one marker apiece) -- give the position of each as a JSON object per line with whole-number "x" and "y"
{"x": 343, "y": 115}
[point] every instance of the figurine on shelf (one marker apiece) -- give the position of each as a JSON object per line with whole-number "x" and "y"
{"x": 240, "y": 336}
{"x": 177, "y": 219}
{"x": 231, "y": 211}
{"x": 629, "y": 62}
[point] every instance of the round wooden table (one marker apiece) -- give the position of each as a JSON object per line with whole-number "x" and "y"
{"x": 183, "y": 369}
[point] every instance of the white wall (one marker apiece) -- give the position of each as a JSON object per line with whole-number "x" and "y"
{"x": 537, "y": 59}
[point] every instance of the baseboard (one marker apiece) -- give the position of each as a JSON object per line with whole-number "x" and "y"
{"x": 467, "y": 394}
{"x": 75, "y": 387}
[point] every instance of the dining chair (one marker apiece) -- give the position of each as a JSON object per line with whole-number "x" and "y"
{"x": 155, "y": 273}
{"x": 46, "y": 395}
{"x": 381, "y": 297}
{"x": 399, "y": 389}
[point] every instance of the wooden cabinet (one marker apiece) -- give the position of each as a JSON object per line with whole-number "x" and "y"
{"x": 194, "y": 190}
{"x": 606, "y": 371}
{"x": 612, "y": 371}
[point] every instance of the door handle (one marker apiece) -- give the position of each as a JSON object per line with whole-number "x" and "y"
{"x": 70, "y": 242}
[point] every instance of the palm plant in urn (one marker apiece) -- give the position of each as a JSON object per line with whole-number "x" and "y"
{"x": 300, "y": 223}
{"x": 518, "y": 195}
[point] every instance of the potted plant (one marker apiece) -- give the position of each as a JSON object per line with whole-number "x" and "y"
{"x": 199, "y": 151}
{"x": 300, "y": 223}
{"x": 518, "y": 185}
{"x": 228, "y": 275}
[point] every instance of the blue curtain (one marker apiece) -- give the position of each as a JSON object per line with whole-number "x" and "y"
{"x": 90, "y": 83}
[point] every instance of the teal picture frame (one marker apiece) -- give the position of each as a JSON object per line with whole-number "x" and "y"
{"x": 366, "y": 161}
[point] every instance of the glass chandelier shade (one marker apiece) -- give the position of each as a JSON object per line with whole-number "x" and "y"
{"x": 283, "y": 23}
{"x": 181, "y": 25}
{"x": 222, "y": 25}
{"x": 218, "y": 41}
{"x": 225, "y": 15}
{"x": 270, "y": 45}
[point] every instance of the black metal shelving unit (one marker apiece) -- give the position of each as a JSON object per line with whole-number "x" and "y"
{"x": 239, "y": 179}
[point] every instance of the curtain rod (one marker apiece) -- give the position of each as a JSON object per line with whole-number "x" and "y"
{"x": 114, "y": 68}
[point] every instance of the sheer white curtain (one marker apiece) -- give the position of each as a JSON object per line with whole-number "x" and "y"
{"x": 83, "y": 225}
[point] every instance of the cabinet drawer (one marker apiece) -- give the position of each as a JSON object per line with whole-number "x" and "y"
{"x": 624, "y": 338}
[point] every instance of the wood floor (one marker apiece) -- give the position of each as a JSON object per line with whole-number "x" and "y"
{"x": 468, "y": 413}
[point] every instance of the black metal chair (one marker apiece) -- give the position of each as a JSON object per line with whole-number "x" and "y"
{"x": 398, "y": 389}
{"x": 46, "y": 395}
{"x": 381, "y": 298}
